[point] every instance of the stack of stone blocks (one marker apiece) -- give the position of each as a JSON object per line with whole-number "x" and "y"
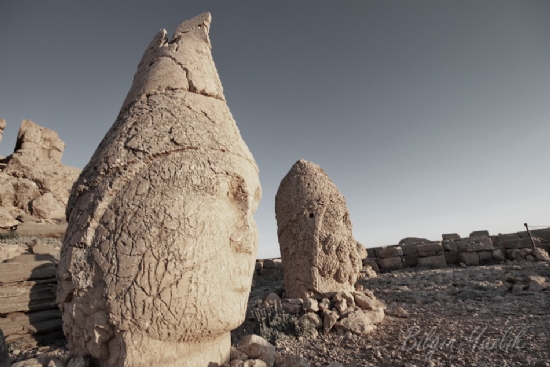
{"x": 478, "y": 249}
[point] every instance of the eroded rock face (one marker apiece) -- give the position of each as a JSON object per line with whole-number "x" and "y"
{"x": 2, "y": 127}
{"x": 158, "y": 258}
{"x": 35, "y": 172}
{"x": 318, "y": 250}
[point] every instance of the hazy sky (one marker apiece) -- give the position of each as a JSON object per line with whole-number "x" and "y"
{"x": 431, "y": 117}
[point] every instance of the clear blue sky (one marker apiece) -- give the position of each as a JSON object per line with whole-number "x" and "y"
{"x": 430, "y": 116}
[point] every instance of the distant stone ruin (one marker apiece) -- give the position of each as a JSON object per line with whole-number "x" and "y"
{"x": 478, "y": 249}
{"x": 157, "y": 261}
{"x": 33, "y": 181}
{"x": 318, "y": 251}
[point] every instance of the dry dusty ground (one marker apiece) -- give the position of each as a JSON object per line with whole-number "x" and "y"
{"x": 457, "y": 317}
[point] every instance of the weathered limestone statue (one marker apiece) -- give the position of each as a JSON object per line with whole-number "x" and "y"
{"x": 2, "y": 127}
{"x": 158, "y": 257}
{"x": 318, "y": 250}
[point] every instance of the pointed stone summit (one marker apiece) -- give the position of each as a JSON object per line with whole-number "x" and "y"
{"x": 318, "y": 251}
{"x": 158, "y": 258}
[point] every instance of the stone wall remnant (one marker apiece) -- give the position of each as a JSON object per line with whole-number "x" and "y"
{"x": 318, "y": 250}
{"x": 157, "y": 261}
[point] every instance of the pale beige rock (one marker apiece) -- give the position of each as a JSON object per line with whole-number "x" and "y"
{"x": 46, "y": 206}
{"x": 362, "y": 251}
{"x": 2, "y": 127}
{"x": 157, "y": 261}
{"x": 6, "y": 219}
{"x": 356, "y": 322}
{"x": 318, "y": 250}
{"x": 35, "y": 170}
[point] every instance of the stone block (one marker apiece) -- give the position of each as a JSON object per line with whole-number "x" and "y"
{"x": 410, "y": 261}
{"x": 390, "y": 263}
{"x": 519, "y": 243}
{"x": 269, "y": 273}
{"x": 451, "y": 257}
{"x": 388, "y": 251}
{"x": 370, "y": 252}
{"x": 429, "y": 249}
{"x": 479, "y": 233}
{"x": 485, "y": 257}
{"x": 468, "y": 258}
{"x": 450, "y": 236}
{"x": 473, "y": 244}
{"x": 409, "y": 249}
{"x": 273, "y": 264}
{"x": 498, "y": 254}
{"x": 433, "y": 261}
{"x": 449, "y": 246}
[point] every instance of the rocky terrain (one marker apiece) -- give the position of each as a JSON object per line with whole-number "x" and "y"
{"x": 457, "y": 316}
{"x": 34, "y": 184}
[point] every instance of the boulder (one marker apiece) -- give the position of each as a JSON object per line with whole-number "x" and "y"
{"x": 356, "y": 322}
{"x": 7, "y": 221}
{"x": 46, "y": 206}
{"x": 413, "y": 240}
{"x": 449, "y": 246}
{"x": 485, "y": 257}
{"x": 157, "y": 261}
{"x": 314, "y": 229}
{"x": 361, "y": 250}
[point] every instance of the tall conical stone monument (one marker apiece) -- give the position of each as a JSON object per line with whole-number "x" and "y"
{"x": 318, "y": 251}
{"x": 157, "y": 261}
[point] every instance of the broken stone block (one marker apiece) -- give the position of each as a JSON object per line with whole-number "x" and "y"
{"x": 314, "y": 229}
{"x": 388, "y": 251}
{"x": 390, "y": 263}
{"x": 479, "y": 233}
{"x": 473, "y": 244}
{"x": 450, "y": 236}
{"x": 498, "y": 254}
{"x": 429, "y": 249}
{"x": 433, "y": 261}
{"x": 451, "y": 257}
{"x": 449, "y": 246}
{"x": 468, "y": 258}
{"x": 519, "y": 243}
{"x": 485, "y": 257}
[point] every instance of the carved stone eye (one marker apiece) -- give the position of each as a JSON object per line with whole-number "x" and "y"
{"x": 311, "y": 215}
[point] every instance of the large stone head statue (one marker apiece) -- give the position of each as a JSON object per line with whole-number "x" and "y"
{"x": 158, "y": 257}
{"x": 318, "y": 250}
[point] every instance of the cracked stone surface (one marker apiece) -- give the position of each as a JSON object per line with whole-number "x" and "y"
{"x": 157, "y": 261}
{"x": 318, "y": 250}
